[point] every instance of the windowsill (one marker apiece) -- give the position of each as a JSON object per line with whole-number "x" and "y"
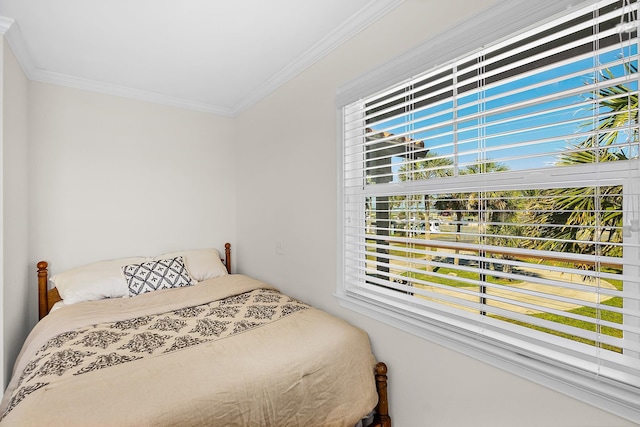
{"x": 572, "y": 384}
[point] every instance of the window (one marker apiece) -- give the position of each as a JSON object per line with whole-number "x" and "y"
{"x": 495, "y": 200}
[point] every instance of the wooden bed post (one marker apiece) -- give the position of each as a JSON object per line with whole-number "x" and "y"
{"x": 227, "y": 256}
{"x": 382, "y": 418}
{"x": 43, "y": 301}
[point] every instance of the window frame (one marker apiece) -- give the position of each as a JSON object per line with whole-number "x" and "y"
{"x": 444, "y": 48}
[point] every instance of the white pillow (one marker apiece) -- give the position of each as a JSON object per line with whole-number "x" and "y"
{"x": 94, "y": 281}
{"x": 105, "y": 279}
{"x": 202, "y": 264}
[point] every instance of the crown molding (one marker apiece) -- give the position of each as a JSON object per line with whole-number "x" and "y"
{"x": 370, "y": 13}
{"x": 14, "y": 37}
{"x": 126, "y": 92}
{"x": 19, "y": 47}
{"x": 5, "y": 24}
{"x": 366, "y": 16}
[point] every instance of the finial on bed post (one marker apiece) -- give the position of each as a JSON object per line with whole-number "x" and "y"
{"x": 43, "y": 306}
{"x": 227, "y": 256}
{"x": 382, "y": 409}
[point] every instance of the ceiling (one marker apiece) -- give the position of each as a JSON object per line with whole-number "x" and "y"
{"x": 208, "y": 55}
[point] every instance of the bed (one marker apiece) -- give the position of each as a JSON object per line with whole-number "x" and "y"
{"x": 192, "y": 346}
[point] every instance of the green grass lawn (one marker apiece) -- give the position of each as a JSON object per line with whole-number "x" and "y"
{"x": 589, "y": 326}
{"x": 453, "y": 276}
{"x": 590, "y": 312}
{"x": 582, "y": 311}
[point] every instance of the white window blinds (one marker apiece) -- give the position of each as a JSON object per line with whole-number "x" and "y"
{"x": 498, "y": 196}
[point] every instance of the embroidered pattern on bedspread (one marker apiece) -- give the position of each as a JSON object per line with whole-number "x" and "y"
{"x": 110, "y": 344}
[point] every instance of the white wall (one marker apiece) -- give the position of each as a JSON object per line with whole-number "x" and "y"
{"x": 15, "y": 213}
{"x": 287, "y": 152}
{"x": 114, "y": 177}
{"x": 100, "y": 177}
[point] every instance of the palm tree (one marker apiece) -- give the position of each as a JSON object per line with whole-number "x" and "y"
{"x": 575, "y": 208}
{"x": 430, "y": 167}
{"x": 491, "y": 204}
{"x": 618, "y": 107}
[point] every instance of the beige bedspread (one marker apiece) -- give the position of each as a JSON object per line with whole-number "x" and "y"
{"x": 230, "y": 351}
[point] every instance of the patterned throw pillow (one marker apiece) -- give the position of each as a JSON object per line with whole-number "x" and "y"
{"x": 155, "y": 275}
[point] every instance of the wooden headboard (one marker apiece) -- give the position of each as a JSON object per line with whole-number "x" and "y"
{"x": 48, "y": 297}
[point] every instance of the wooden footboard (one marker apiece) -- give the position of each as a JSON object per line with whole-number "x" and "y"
{"x": 381, "y": 418}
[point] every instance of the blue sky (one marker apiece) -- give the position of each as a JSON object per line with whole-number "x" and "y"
{"x": 558, "y": 128}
